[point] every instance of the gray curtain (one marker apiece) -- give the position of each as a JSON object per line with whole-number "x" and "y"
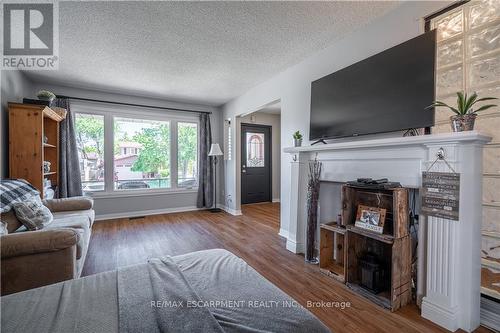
{"x": 69, "y": 181}
{"x": 205, "y": 167}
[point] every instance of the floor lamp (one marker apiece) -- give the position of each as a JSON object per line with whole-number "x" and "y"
{"x": 214, "y": 152}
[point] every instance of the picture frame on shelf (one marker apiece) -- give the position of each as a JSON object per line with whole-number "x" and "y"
{"x": 370, "y": 218}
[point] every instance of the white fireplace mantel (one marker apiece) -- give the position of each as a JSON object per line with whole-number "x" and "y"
{"x": 453, "y": 265}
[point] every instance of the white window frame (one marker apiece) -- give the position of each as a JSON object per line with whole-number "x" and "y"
{"x": 110, "y": 112}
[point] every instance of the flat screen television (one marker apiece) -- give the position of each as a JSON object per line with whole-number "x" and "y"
{"x": 384, "y": 93}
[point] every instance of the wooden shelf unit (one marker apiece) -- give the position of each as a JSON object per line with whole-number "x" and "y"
{"x": 28, "y": 124}
{"x": 332, "y": 251}
{"x": 392, "y": 247}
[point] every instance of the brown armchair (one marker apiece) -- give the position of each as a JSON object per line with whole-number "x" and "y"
{"x": 31, "y": 259}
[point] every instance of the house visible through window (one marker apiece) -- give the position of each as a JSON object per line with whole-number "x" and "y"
{"x": 142, "y": 154}
{"x": 146, "y": 154}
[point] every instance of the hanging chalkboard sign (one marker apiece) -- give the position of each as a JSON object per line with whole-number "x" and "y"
{"x": 440, "y": 195}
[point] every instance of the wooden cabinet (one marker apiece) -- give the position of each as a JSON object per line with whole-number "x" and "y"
{"x": 28, "y": 125}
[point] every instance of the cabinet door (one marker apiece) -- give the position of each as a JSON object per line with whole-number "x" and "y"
{"x": 25, "y": 144}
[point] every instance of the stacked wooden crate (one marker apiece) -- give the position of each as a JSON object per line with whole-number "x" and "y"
{"x": 343, "y": 244}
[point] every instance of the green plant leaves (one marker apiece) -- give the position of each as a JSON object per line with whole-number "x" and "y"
{"x": 461, "y": 102}
{"x": 464, "y": 104}
{"x": 469, "y": 102}
{"x": 485, "y": 107}
{"x": 439, "y": 103}
{"x": 486, "y": 99}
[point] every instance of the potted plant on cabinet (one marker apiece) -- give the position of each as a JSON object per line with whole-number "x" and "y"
{"x": 465, "y": 115}
{"x": 297, "y": 137}
{"x": 46, "y": 95}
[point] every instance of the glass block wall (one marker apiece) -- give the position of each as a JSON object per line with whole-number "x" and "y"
{"x": 468, "y": 58}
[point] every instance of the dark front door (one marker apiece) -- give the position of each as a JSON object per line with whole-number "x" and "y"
{"x": 255, "y": 163}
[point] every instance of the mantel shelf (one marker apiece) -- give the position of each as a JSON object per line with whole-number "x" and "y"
{"x": 422, "y": 140}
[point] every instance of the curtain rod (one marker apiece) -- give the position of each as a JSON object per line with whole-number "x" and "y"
{"x": 132, "y": 104}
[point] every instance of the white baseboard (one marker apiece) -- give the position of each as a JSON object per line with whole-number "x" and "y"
{"x": 235, "y": 212}
{"x": 294, "y": 247}
{"x": 447, "y": 318}
{"x": 102, "y": 217}
{"x": 283, "y": 233}
{"x": 276, "y": 200}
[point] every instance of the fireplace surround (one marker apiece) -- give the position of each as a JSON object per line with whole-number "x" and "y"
{"x": 450, "y": 250}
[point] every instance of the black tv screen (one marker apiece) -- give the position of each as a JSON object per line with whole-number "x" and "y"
{"x": 386, "y": 92}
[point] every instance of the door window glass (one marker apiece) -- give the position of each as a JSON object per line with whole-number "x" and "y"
{"x": 255, "y": 150}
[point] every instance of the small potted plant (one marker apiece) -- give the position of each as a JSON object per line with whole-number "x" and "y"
{"x": 465, "y": 115}
{"x": 297, "y": 137}
{"x": 46, "y": 95}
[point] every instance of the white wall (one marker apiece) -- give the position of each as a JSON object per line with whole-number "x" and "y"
{"x": 14, "y": 86}
{"x": 129, "y": 205}
{"x": 293, "y": 86}
{"x": 274, "y": 121}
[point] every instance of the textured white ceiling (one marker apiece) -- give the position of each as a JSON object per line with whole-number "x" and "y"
{"x": 201, "y": 52}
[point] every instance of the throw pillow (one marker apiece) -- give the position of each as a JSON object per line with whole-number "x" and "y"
{"x": 32, "y": 213}
{"x": 14, "y": 190}
{"x": 3, "y": 228}
{"x": 11, "y": 220}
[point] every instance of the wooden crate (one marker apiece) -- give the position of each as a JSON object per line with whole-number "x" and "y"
{"x": 332, "y": 254}
{"x": 394, "y": 200}
{"x": 395, "y": 256}
{"x": 392, "y": 247}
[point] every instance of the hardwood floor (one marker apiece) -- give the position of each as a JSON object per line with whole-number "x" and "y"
{"x": 253, "y": 237}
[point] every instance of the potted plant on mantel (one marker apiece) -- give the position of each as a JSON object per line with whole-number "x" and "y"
{"x": 465, "y": 115}
{"x": 297, "y": 138}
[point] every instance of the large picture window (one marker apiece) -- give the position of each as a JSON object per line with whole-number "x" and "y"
{"x": 122, "y": 152}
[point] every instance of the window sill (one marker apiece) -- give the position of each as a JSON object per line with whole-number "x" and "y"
{"x": 132, "y": 193}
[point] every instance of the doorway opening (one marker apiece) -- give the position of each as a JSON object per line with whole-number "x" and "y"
{"x": 260, "y": 150}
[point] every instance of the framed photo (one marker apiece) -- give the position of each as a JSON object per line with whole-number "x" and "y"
{"x": 370, "y": 218}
